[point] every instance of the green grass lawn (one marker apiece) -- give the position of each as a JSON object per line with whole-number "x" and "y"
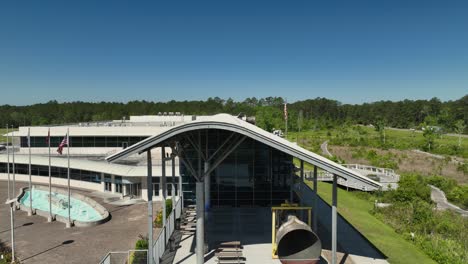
{"x": 357, "y": 212}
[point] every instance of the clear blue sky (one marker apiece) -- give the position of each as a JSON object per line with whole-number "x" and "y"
{"x": 352, "y": 51}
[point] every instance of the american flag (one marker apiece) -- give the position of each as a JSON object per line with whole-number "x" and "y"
{"x": 285, "y": 111}
{"x": 63, "y": 144}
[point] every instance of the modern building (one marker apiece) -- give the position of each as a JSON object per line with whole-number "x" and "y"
{"x": 219, "y": 161}
{"x": 90, "y": 143}
{"x": 227, "y": 162}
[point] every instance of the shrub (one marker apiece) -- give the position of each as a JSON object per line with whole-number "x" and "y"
{"x": 142, "y": 242}
{"x": 139, "y": 256}
{"x": 158, "y": 219}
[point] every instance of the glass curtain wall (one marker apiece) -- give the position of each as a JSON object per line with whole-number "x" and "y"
{"x": 253, "y": 175}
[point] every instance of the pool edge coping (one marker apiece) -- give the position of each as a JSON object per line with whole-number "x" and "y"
{"x": 95, "y": 205}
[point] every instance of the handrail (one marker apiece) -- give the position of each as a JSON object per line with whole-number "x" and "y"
{"x": 159, "y": 246}
{"x": 107, "y": 260}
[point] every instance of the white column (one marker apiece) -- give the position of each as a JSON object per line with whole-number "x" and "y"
{"x": 103, "y": 184}
{"x": 124, "y": 189}
{"x": 113, "y": 183}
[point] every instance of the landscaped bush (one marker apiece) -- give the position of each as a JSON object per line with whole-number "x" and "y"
{"x": 158, "y": 219}
{"x": 140, "y": 256}
{"x": 6, "y": 253}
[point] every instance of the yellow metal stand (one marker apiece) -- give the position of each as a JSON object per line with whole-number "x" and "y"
{"x": 285, "y": 207}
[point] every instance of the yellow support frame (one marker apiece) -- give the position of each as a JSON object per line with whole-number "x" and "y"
{"x": 284, "y": 207}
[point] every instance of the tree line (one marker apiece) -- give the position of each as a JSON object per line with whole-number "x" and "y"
{"x": 304, "y": 114}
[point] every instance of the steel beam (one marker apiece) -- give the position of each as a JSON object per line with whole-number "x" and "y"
{"x": 163, "y": 185}
{"x": 221, "y": 147}
{"x": 197, "y": 148}
{"x": 149, "y": 182}
{"x": 173, "y": 191}
{"x": 301, "y": 188}
{"x": 207, "y": 189}
{"x": 315, "y": 206}
{"x": 224, "y": 156}
{"x": 200, "y": 230}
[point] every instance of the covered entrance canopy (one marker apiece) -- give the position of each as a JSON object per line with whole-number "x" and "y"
{"x": 187, "y": 143}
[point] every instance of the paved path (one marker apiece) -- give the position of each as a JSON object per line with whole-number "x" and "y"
{"x": 40, "y": 242}
{"x": 438, "y": 196}
{"x": 324, "y": 148}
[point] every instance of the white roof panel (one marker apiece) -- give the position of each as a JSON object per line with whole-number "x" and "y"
{"x": 231, "y": 123}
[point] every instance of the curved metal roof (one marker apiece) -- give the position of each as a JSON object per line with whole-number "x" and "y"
{"x": 231, "y": 123}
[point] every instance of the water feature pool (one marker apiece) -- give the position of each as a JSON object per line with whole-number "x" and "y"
{"x": 79, "y": 210}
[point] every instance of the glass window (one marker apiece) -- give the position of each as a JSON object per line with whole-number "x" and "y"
{"x": 88, "y": 142}
{"x": 76, "y": 142}
{"x": 100, "y": 141}
{"x": 112, "y": 142}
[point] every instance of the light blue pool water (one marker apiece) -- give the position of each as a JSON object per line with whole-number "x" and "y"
{"x": 79, "y": 210}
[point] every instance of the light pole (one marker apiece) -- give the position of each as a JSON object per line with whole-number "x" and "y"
{"x": 12, "y": 202}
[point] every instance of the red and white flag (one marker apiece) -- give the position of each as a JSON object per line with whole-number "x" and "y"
{"x": 63, "y": 144}
{"x": 285, "y": 111}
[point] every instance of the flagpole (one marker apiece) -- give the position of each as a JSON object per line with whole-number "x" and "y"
{"x": 8, "y": 162}
{"x": 50, "y": 180}
{"x": 14, "y": 170}
{"x": 68, "y": 174}
{"x": 30, "y": 184}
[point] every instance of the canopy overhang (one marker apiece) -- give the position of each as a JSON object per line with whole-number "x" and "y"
{"x": 233, "y": 124}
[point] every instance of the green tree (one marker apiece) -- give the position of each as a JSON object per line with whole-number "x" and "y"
{"x": 380, "y": 127}
{"x": 430, "y": 135}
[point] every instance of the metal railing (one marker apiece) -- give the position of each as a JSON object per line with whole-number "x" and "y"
{"x": 162, "y": 240}
{"x": 385, "y": 171}
{"x": 159, "y": 245}
{"x": 126, "y": 257}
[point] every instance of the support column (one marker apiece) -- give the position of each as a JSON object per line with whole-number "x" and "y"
{"x": 181, "y": 193}
{"x": 315, "y": 207}
{"x": 113, "y": 183}
{"x": 291, "y": 187}
{"x": 173, "y": 180}
{"x": 200, "y": 231}
{"x": 149, "y": 180}
{"x": 334, "y": 219}
{"x": 103, "y": 183}
{"x": 164, "y": 185}
{"x": 207, "y": 190}
{"x": 301, "y": 189}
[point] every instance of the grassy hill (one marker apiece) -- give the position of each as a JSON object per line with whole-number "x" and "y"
{"x": 357, "y": 212}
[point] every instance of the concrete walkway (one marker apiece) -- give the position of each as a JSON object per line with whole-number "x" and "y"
{"x": 438, "y": 196}
{"x": 324, "y": 148}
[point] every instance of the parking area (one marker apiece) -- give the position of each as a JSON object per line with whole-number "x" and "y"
{"x": 38, "y": 241}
